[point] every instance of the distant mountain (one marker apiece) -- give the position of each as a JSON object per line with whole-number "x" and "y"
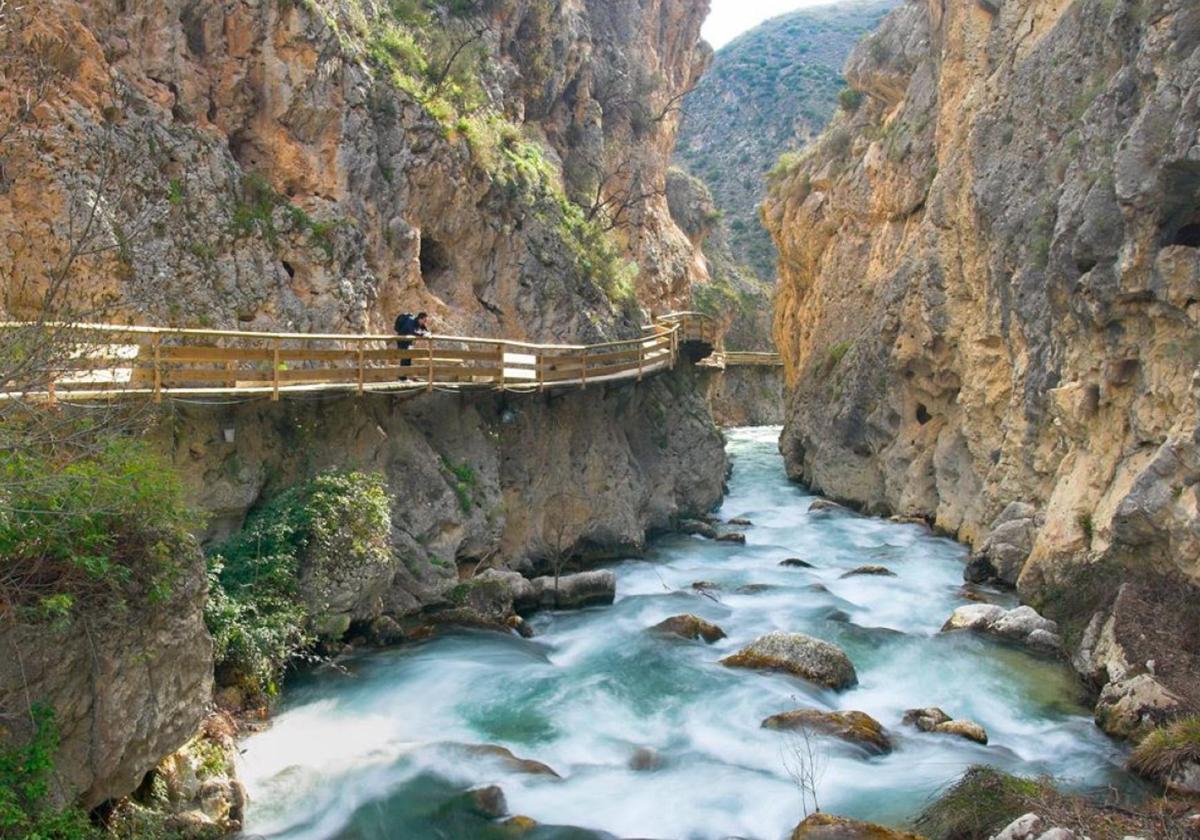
{"x": 769, "y": 91}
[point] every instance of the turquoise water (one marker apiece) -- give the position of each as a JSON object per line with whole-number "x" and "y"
{"x": 366, "y": 752}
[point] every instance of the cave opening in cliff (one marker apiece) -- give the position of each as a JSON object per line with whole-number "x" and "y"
{"x": 434, "y": 260}
{"x": 1188, "y": 235}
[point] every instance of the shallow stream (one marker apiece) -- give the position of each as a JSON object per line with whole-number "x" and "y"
{"x": 368, "y": 752}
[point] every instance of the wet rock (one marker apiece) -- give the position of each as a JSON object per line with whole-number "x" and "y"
{"x": 705, "y": 585}
{"x": 1003, "y": 554}
{"x": 856, "y": 728}
{"x": 690, "y": 626}
{"x": 819, "y": 505}
{"x": 753, "y": 588}
{"x": 645, "y": 759}
{"x": 697, "y": 528}
{"x": 901, "y": 519}
{"x": 1028, "y": 827}
{"x": 799, "y": 655}
{"x": 584, "y": 589}
{"x": 1130, "y": 707}
{"x": 1022, "y": 625}
{"x": 879, "y": 571}
{"x": 925, "y": 719}
{"x": 821, "y": 826}
{"x": 740, "y": 521}
{"x": 796, "y": 563}
{"x": 507, "y": 758}
{"x": 488, "y": 802}
{"x": 521, "y": 824}
{"x": 732, "y": 537}
{"x": 963, "y": 729}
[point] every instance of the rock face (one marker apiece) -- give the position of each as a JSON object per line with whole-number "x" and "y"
{"x": 800, "y": 655}
{"x": 294, "y": 169}
{"x": 1022, "y": 625}
{"x": 856, "y": 728}
{"x": 127, "y": 688}
{"x": 586, "y": 474}
{"x": 745, "y": 395}
{"x": 990, "y": 286}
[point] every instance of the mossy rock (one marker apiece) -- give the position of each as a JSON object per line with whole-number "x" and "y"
{"x": 857, "y": 728}
{"x": 799, "y": 655}
{"x": 690, "y": 626}
{"x": 828, "y": 827}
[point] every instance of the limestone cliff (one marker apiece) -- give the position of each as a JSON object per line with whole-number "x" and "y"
{"x": 991, "y": 284}
{"x": 322, "y": 165}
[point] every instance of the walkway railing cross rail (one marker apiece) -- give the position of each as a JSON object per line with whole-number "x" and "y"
{"x": 104, "y": 361}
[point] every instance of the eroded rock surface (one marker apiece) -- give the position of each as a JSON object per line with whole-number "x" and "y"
{"x": 857, "y": 728}
{"x": 690, "y": 627}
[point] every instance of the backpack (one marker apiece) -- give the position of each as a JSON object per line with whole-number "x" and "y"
{"x": 406, "y": 323}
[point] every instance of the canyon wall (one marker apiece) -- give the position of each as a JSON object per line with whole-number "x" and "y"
{"x": 991, "y": 286}
{"x": 321, "y": 165}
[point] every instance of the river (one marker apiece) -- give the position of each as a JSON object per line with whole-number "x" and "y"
{"x": 364, "y": 752}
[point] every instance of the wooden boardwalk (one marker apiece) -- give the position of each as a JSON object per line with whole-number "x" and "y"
{"x": 104, "y": 361}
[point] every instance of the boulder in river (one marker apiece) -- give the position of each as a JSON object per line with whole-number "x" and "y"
{"x": 822, "y": 826}
{"x": 753, "y": 588}
{"x": 857, "y": 728}
{"x": 690, "y": 626}
{"x": 1132, "y": 706}
{"x": 697, "y": 527}
{"x": 732, "y": 537}
{"x": 584, "y": 589}
{"x": 740, "y": 521}
{"x": 796, "y": 563}
{"x": 488, "y": 802}
{"x": 933, "y": 719}
{"x": 505, "y": 756}
{"x": 1022, "y": 625}
{"x": 799, "y": 655}
{"x": 645, "y": 760}
{"x": 705, "y": 585}
{"x": 879, "y": 571}
{"x": 819, "y": 505}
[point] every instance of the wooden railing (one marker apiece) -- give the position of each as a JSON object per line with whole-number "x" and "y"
{"x": 102, "y": 361}
{"x": 739, "y": 358}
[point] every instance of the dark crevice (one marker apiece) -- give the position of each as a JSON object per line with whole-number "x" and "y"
{"x": 923, "y": 415}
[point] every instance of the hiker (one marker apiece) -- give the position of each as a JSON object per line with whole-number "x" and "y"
{"x": 410, "y": 325}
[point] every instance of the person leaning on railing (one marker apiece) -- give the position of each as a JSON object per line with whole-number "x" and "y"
{"x": 410, "y": 325}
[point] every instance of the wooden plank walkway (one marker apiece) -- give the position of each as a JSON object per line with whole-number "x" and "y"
{"x": 104, "y": 361}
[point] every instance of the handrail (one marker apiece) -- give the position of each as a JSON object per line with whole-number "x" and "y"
{"x": 102, "y": 361}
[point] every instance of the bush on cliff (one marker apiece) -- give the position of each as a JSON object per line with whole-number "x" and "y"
{"x": 96, "y": 528}
{"x": 1168, "y": 750}
{"x": 26, "y": 808}
{"x": 258, "y": 612}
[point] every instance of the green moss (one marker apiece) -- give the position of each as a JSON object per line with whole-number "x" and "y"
{"x": 1168, "y": 748}
{"x": 979, "y": 804}
{"x": 464, "y": 483}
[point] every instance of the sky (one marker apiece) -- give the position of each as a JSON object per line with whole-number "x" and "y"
{"x": 730, "y": 18}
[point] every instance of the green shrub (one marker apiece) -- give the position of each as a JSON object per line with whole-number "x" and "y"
{"x": 1168, "y": 748}
{"x": 838, "y": 351}
{"x": 92, "y": 529}
{"x": 464, "y": 483}
{"x": 256, "y": 613}
{"x": 850, "y": 99}
{"x": 26, "y": 808}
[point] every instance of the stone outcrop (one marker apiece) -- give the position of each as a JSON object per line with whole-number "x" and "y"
{"x": 127, "y": 686}
{"x": 990, "y": 288}
{"x": 799, "y": 655}
{"x": 933, "y": 719}
{"x": 1022, "y": 625}
{"x": 475, "y": 481}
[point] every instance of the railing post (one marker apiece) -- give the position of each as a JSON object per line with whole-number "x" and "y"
{"x": 275, "y": 370}
{"x": 583, "y": 368}
{"x": 362, "y": 372}
{"x": 429, "y": 345}
{"x": 641, "y": 356}
{"x": 500, "y": 361}
{"x": 155, "y": 343}
{"x": 538, "y": 362}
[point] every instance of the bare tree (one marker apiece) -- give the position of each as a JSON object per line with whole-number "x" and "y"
{"x": 563, "y": 518}
{"x": 616, "y": 195}
{"x": 805, "y": 762}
